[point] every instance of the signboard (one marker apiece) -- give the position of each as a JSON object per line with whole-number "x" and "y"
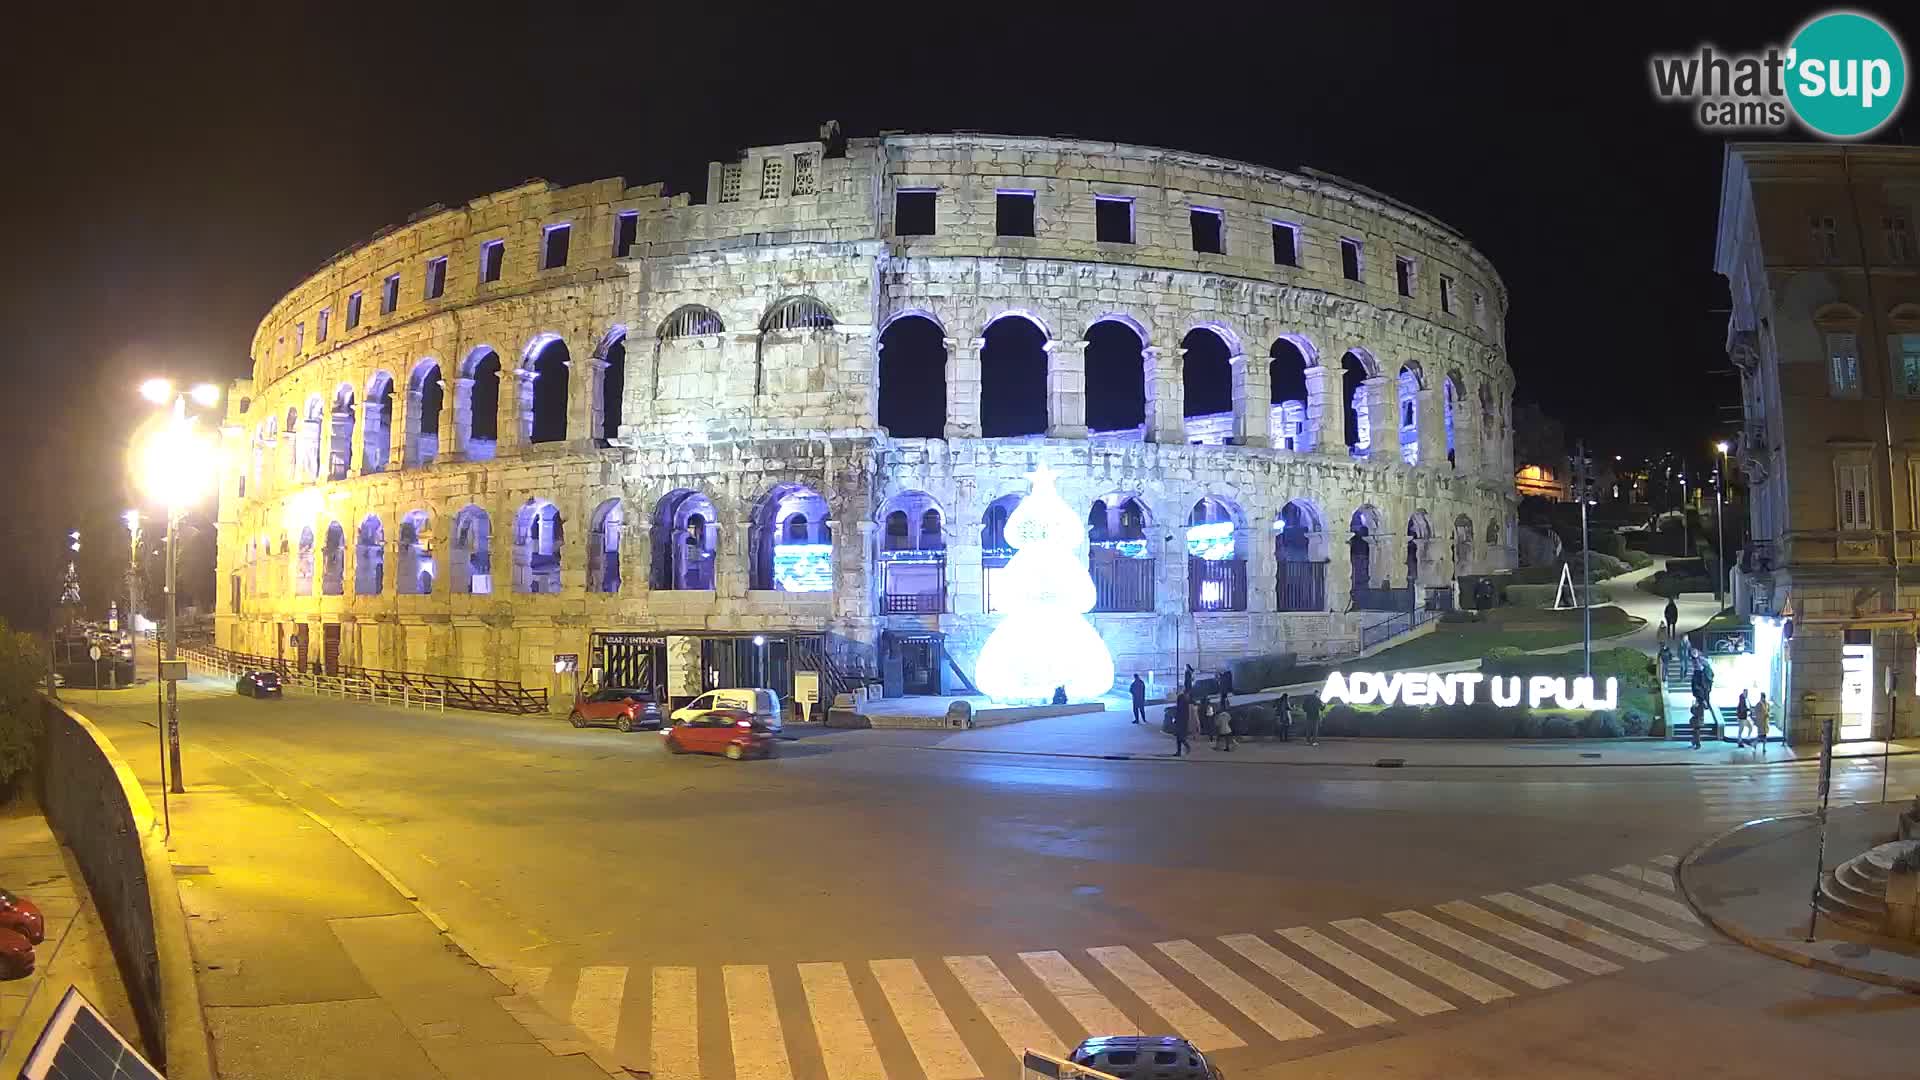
{"x": 1729, "y": 641}
{"x": 642, "y": 640}
{"x": 173, "y": 670}
{"x": 1465, "y": 687}
{"x": 806, "y": 690}
{"x": 94, "y": 653}
{"x": 566, "y": 661}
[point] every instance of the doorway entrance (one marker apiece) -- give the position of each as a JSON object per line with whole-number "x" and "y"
{"x": 913, "y": 665}
{"x": 330, "y": 647}
{"x": 632, "y": 662}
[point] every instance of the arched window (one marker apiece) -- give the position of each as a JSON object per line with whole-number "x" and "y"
{"x": 471, "y": 560}
{"x": 536, "y": 548}
{"x": 476, "y": 420}
{"x": 413, "y": 576}
{"x": 995, "y": 552}
{"x": 547, "y": 366}
{"x": 269, "y": 456}
{"x": 1300, "y": 558}
{"x": 913, "y": 378}
{"x": 613, "y": 385}
{"x": 1206, "y": 373}
{"x": 1013, "y": 379}
{"x": 913, "y": 560}
{"x": 303, "y": 564}
{"x": 1365, "y": 528}
{"x": 690, "y": 320}
{"x": 370, "y": 558}
{"x": 1408, "y": 386}
{"x": 1486, "y": 411}
{"x": 686, "y": 532}
{"x": 895, "y": 535}
{"x": 1420, "y": 568}
{"x": 791, "y": 541}
{"x": 1493, "y": 535}
{"x": 781, "y": 344}
{"x": 426, "y": 394}
{"x": 609, "y": 523}
{"x": 1354, "y": 373}
{"x": 1462, "y": 545}
{"x": 340, "y": 447}
{"x": 1216, "y": 557}
{"x": 1120, "y": 554}
{"x": 1287, "y": 365}
{"x": 1449, "y": 399}
{"x": 1116, "y": 378}
{"x": 333, "y": 562}
{"x": 307, "y": 465}
{"x": 376, "y": 441}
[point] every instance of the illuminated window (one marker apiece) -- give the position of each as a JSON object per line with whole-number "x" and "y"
{"x": 1909, "y": 365}
{"x": 1843, "y": 365}
{"x": 320, "y": 325}
{"x": 299, "y": 337}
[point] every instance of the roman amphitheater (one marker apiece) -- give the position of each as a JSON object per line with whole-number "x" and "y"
{"x": 727, "y": 442}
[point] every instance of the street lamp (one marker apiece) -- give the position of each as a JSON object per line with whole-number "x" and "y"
{"x": 1720, "y": 520}
{"x": 174, "y": 462}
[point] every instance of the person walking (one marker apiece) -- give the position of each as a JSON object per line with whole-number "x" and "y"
{"x": 1182, "y": 726}
{"x": 1673, "y": 616}
{"x": 1138, "y": 691}
{"x": 1698, "y": 720}
{"x": 1282, "y": 716}
{"x": 1744, "y": 716}
{"x": 1188, "y": 682}
{"x": 1223, "y": 726}
{"x": 1762, "y": 717}
{"x": 1313, "y": 720}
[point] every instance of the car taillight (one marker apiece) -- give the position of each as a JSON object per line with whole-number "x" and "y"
{"x": 743, "y": 724}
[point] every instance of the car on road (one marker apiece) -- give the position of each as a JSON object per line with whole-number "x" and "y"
{"x": 757, "y": 702}
{"x": 1145, "y": 1057}
{"x": 734, "y": 732}
{"x": 258, "y": 684}
{"x": 628, "y": 710}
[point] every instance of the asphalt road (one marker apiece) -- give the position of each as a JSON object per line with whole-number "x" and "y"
{"x": 858, "y": 899}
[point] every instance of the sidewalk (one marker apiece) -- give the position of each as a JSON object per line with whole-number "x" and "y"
{"x": 313, "y": 962}
{"x": 76, "y": 951}
{"x": 1753, "y": 884}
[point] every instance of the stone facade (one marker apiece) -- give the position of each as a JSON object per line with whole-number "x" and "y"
{"x": 731, "y": 350}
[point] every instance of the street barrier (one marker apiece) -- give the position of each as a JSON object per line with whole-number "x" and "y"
{"x": 408, "y": 689}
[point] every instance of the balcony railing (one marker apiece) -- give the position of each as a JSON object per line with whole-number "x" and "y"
{"x": 1216, "y": 584}
{"x": 1300, "y": 586}
{"x": 927, "y": 603}
{"x": 1121, "y": 583}
{"x": 1384, "y": 599}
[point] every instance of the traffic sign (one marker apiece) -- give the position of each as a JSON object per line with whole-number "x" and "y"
{"x": 94, "y": 654}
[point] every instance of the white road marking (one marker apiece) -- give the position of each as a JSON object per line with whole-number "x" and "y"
{"x": 1625, "y": 920}
{"x": 1529, "y": 938}
{"x": 1305, "y": 981}
{"x": 846, "y": 1045}
{"x": 1665, "y": 860}
{"x": 1254, "y": 1003}
{"x": 1575, "y": 928}
{"x": 531, "y": 981}
{"x": 1187, "y": 1018}
{"x": 1372, "y": 975}
{"x": 675, "y": 1034}
{"x": 1089, "y": 1006}
{"x": 935, "y": 1043}
{"x": 1505, "y": 962}
{"x": 1665, "y": 905}
{"x": 1019, "y": 1026}
{"x": 596, "y": 1003}
{"x": 1642, "y": 875}
{"x": 1439, "y": 969}
{"x": 753, "y": 1023}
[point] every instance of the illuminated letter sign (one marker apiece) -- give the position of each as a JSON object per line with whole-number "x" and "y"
{"x": 1462, "y": 687}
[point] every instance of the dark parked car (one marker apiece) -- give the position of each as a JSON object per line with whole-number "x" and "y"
{"x": 628, "y": 710}
{"x": 1145, "y": 1057}
{"x": 258, "y": 684}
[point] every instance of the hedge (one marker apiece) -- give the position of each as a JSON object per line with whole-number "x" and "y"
{"x": 1481, "y": 720}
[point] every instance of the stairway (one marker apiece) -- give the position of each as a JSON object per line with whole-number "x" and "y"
{"x": 1855, "y": 892}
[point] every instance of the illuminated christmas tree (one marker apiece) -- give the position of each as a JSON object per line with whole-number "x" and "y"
{"x": 1045, "y": 640}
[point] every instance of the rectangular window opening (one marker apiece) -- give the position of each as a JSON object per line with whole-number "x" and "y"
{"x": 913, "y": 212}
{"x": 1908, "y": 355}
{"x": 803, "y": 174}
{"x": 321, "y": 324}
{"x": 1446, "y": 294}
{"x": 626, "y": 230}
{"x": 771, "y": 173}
{"x": 1843, "y": 365}
{"x": 436, "y": 278}
{"x": 1403, "y": 276}
{"x": 390, "y": 294}
{"x": 299, "y": 337}
{"x": 1826, "y": 237}
{"x": 1013, "y": 213}
{"x": 553, "y": 246}
{"x": 1286, "y": 244}
{"x": 1113, "y": 219}
{"x": 1208, "y": 231}
{"x": 1480, "y": 310}
{"x": 353, "y": 310}
{"x": 1899, "y": 239}
{"x": 493, "y": 255}
{"x": 1350, "y": 258}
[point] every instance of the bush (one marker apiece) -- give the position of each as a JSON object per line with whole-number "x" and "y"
{"x": 1461, "y": 615}
{"x": 22, "y": 665}
{"x": 1255, "y": 673}
{"x": 1559, "y": 727}
{"x": 1637, "y": 559}
{"x": 1608, "y": 542}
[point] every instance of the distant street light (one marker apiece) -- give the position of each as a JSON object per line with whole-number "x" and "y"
{"x": 1720, "y": 520}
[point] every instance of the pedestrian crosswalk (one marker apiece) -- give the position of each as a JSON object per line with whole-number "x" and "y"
{"x": 969, "y": 1017}
{"x": 1734, "y": 794}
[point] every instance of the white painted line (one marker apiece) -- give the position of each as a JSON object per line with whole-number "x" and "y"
{"x": 753, "y": 1023}
{"x": 1625, "y": 920}
{"x": 1528, "y": 938}
{"x": 1186, "y": 1018}
{"x": 1305, "y": 981}
{"x": 1665, "y": 905}
{"x": 676, "y": 1032}
{"x": 531, "y": 981}
{"x": 1372, "y": 975}
{"x": 935, "y": 1043}
{"x": 1645, "y": 875}
{"x": 1668, "y": 861}
{"x": 846, "y": 1044}
{"x": 1019, "y": 1026}
{"x": 1575, "y": 928}
{"x": 1437, "y": 968}
{"x": 1254, "y": 1003}
{"x": 596, "y": 1003}
{"x": 1466, "y": 944}
{"x": 1095, "y": 1014}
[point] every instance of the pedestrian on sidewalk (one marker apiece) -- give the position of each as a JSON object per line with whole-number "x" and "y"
{"x": 1313, "y": 719}
{"x": 1698, "y": 719}
{"x": 1762, "y": 717}
{"x": 1223, "y": 725}
{"x": 1138, "y": 691}
{"x": 1673, "y": 616}
{"x": 1182, "y": 727}
{"x": 1282, "y": 716}
{"x": 1742, "y": 714}
{"x": 1188, "y": 683}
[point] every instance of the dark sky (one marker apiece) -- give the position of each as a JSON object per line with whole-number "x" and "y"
{"x": 174, "y": 168}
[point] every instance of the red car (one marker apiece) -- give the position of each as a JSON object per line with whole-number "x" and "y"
{"x": 22, "y": 916}
{"x": 16, "y": 956}
{"x": 722, "y": 731}
{"x": 628, "y": 710}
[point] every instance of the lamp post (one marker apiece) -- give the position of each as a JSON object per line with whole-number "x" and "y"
{"x": 1720, "y": 521}
{"x": 174, "y": 462}
{"x": 132, "y": 518}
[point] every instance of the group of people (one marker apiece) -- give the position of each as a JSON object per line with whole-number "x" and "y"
{"x": 1755, "y": 717}
{"x": 1213, "y": 714}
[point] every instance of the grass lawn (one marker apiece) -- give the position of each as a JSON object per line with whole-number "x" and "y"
{"x": 1520, "y": 628}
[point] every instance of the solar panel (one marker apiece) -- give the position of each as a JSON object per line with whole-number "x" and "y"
{"x": 79, "y": 1044}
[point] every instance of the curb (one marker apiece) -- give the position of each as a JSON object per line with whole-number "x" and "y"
{"x": 1388, "y": 745}
{"x": 1740, "y": 936}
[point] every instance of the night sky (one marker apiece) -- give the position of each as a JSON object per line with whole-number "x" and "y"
{"x": 173, "y": 169}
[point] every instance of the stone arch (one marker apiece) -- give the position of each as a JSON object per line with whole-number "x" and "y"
{"x": 340, "y": 443}
{"x": 547, "y": 368}
{"x": 791, "y": 539}
{"x": 788, "y": 318}
{"x": 913, "y": 554}
{"x": 303, "y": 562}
{"x": 413, "y": 575}
{"x": 470, "y": 562}
{"x": 1452, "y": 397}
{"x": 426, "y": 395}
{"x": 538, "y": 543}
{"x": 1121, "y": 549}
{"x": 995, "y": 551}
{"x": 1288, "y": 359}
{"x": 333, "y": 561}
{"x": 610, "y": 390}
{"x": 912, "y": 374}
{"x": 1206, "y": 374}
{"x": 1462, "y": 544}
{"x": 376, "y": 438}
{"x": 1116, "y": 374}
{"x": 690, "y": 320}
{"x": 370, "y": 557}
{"x": 307, "y": 456}
{"x": 1301, "y": 551}
{"x": 1486, "y": 411}
{"x": 1364, "y": 528}
{"x": 1015, "y": 356}
{"x": 1217, "y": 545}
{"x": 476, "y": 404}
{"x": 685, "y": 536}
{"x": 1407, "y": 388}
{"x": 912, "y": 521}
{"x": 1356, "y": 369}
{"x": 1419, "y": 548}
{"x": 605, "y": 531}
{"x": 1493, "y": 534}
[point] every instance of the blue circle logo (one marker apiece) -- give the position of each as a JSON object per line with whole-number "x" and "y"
{"x": 1847, "y": 74}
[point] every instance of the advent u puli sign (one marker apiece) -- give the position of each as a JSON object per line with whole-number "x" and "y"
{"x": 1464, "y": 688}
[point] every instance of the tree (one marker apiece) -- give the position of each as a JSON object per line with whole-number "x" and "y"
{"x": 22, "y": 664}
{"x": 1045, "y": 640}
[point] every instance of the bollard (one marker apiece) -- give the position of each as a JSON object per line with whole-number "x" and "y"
{"x": 1903, "y": 892}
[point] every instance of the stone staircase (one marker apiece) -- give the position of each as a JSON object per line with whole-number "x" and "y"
{"x": 1855, "y": 892}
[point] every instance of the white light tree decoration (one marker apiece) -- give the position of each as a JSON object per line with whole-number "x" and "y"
{"x": 1044, "y": 641}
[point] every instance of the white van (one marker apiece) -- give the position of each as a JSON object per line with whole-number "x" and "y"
{"x": 764, "y": 704}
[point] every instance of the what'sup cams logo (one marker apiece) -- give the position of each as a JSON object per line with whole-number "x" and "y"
{"x": 1842, "y": 76}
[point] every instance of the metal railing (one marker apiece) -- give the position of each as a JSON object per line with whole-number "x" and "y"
{"x": 1300, "y": 586}
{"x": 1393, "y": 626}
{"x": 1121, "y": 583}
{"x": 1383, "y": 599}
{"x": 405, "y": 688}
{"x": 1216, "y": 584}
{"x": 928, "y": 603}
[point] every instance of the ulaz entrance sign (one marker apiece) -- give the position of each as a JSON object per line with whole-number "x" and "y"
{"x": 1463, "y": 687}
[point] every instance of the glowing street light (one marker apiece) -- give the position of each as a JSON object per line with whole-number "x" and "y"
{"x": 158, "y": 391}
